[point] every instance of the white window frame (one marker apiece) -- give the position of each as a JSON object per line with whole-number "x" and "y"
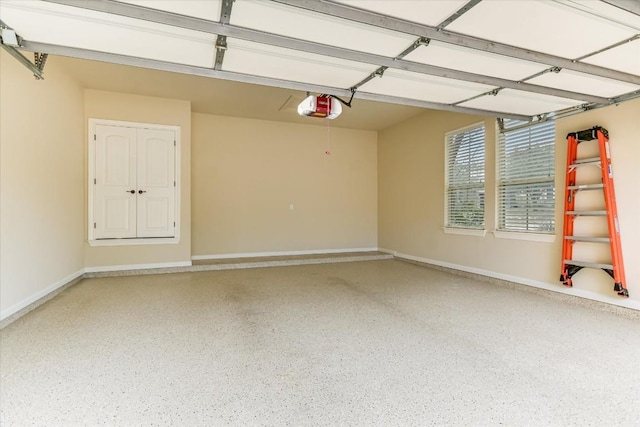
{"x": 91, "y": 167}
{"x": 502, "y": 233}
{"x": 463, "y": 230}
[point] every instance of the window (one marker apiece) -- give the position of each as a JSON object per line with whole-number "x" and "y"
{"x": 464, "y": 203}
{"x": 526, "y": 170}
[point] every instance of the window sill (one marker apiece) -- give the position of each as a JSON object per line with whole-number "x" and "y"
{"x": 533, "y": 237}
{"x": 132, "y": 242}
{"x": 465, "y": 231}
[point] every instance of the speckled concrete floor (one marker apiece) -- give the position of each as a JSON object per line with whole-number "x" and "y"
{"x": 364, "y": 343}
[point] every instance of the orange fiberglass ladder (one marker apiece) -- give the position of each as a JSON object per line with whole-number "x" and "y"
{"x": 570, "y": 266}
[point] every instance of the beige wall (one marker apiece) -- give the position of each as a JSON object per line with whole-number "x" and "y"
{"x": 143, "y": 109}
{"x": 411, "y": 200}
{"x": 41, "y": 182}
{"x": 246, "y": 173}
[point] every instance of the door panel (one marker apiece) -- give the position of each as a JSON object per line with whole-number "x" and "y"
{"x": 115, "y": 205}
{"x": 156, "y": 215}
{"x": 156, "y": 178}
{"x": 117, "y": 218}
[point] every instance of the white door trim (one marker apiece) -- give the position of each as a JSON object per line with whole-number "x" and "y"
{"x": 91, "y": 174}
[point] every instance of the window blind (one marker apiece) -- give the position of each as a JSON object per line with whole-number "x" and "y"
{"x": 465, "y": 178}
{"x": 526, "y": 173}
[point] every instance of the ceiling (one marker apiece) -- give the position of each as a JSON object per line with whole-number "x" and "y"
{"x": 228, "y": 98}
{"x": 526, "y": 60}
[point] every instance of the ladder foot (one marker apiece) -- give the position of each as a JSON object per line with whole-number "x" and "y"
{"x": 565, "y": 279}
{"x": 623, "y": 292}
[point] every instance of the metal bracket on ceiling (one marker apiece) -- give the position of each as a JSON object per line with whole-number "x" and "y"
{"x": 221, "y": 40}
{"x": 458, "y": 13}
{"x": 221, "y": 47}
{"x": 537, "y": 119}
{"x": 497, "y": 90}
{"x": 9, "y": 41}
{"x": 541, "y": 73}
{"x": 377, "y": 73}
{"x": 346, "y": 103}
{"x": 492, "y": 92}
{"x": 534, "y": 120}
{"x": 39, "y": 59}
{"x": 380, "y": 72}
{"x": 421, "y": 41}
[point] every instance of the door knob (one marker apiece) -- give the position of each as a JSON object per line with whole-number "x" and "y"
{"x": 131, "y": 191}
{"x": 141, "y": 191}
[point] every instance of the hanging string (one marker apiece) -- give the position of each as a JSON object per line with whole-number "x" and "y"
{"x": 328, "y": 151}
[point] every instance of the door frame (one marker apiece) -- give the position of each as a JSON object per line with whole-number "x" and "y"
{"x": 91, "y": 174}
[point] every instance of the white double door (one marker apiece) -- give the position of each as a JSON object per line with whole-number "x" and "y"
{"x": 135, "y": 183}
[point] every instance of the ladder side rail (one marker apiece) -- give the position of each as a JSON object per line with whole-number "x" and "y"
{"x": 612, "y": 214}
{"x": 569, "y": 205}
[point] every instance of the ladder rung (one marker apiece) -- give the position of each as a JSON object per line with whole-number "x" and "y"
{"x": 588, "y": 264}
{"x": 586, "y": 187}
{"x": 588, "y": 161}
{"x": 588, "y": 239}
{"x": 587, "y": 213}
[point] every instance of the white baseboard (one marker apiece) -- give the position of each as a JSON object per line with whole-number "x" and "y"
{"x": 100, "y": 269}
{"x": 627, "y": 303}
{"x": 43, "y": 295}
{"x": 39, "y": 295}
{"x": 282, "y": 253}
{"x": 387, "y": 251}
